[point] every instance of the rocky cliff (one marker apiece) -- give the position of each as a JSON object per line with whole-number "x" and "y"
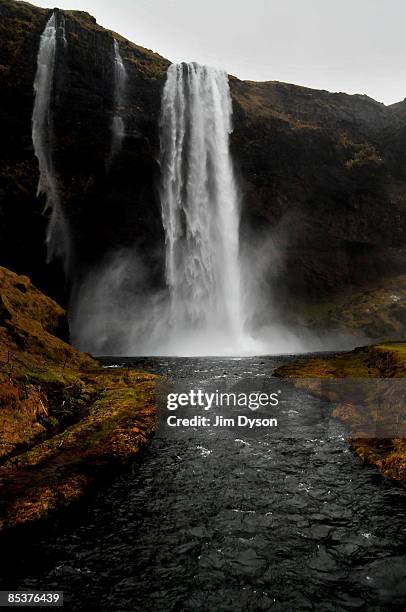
{"x": 323, "y": 175}
{"x": 326, "y": 170}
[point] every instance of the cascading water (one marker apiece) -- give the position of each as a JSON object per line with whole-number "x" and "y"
{"x": 200, "y": 211}
{"x": 117, "y": 311}
{"x": 57, "y": 238}
{"x": 117, "y": 125}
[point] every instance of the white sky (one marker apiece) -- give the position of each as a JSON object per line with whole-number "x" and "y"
{"x": 357, "y": 46}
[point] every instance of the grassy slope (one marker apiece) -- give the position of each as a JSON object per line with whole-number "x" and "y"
{"x": 149, "y": 63}
{"x": 26, "y": 18}
{"x": 63, "y": 418}
{"x": 386, "y": 360}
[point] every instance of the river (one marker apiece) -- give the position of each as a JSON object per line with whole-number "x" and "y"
{"x": 229, "y": 522}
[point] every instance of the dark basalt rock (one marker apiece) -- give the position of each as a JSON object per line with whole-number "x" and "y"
{"x": 326, "y": 174}
{"x": 323, "y": 174}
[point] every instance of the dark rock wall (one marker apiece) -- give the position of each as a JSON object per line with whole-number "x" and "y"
{"x": 326, "y": 175}
{"x": 323, "y": 174}
{"x": 109, "y": 206}
{"x": 22, "y": 226}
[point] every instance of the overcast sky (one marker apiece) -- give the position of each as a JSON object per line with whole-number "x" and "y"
{"x": 357, "y": 46}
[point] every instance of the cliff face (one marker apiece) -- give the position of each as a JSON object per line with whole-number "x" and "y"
{"x": 116, "y": 206}
{"x": 106, "y": 208}
{"x": 323, "y": 174}
{"x": 22, "y": 227}
{"x": 329, "y": 173}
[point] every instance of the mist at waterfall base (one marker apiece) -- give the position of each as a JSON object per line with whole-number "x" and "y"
{"x": 115, "y": 312}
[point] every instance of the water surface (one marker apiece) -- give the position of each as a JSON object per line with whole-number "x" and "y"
{"x": 214, "y": 523}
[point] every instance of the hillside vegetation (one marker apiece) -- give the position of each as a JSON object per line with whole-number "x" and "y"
{"x": 64, "y": 419}
{"x": 380, "y": 403}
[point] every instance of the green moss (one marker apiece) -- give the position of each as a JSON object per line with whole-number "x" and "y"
{"x": 150, "y": 64}
{"x": 386, "y": 360}
{"x": 114, "y": 429}
{"x": 61, "y": 413}
{"x": 358, "y": 154}
{"x": 20, "y": 22}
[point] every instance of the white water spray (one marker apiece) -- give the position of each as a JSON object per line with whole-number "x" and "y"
{"x": 57, "y": 237}
{"x": 117, "y": 125}
{"x": 200, "y": 211}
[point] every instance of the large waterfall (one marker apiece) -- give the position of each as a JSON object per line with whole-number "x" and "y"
{"x": 200, "y": 211}
{"x": 117, "y": 125}
{"x": 214, "y": 302}
{"x": 57, "y": 239}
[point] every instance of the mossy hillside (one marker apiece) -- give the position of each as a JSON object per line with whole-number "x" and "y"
{"x": 149, "y": 63}
{"x": 59, "y": 471}
{"x": 385, "y": 361}
{"x": 64, "y": 420}
{"x": 44, "y": 382}
{"x": 19, "y": 23}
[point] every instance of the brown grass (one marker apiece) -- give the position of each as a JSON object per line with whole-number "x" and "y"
{"x": 385, "y": 361}
{"x": 64, "y": 420}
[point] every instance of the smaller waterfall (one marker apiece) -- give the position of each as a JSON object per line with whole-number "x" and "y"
{"x": 117, "y": 125}
{"x": 60, "y": 30}
{"x": 57, "y": 238}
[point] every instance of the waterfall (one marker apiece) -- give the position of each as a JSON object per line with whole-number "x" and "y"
{"x": 200, "y": 210}
{"x": 117, "y": 125}
{"x": 212, "y": 303}
{"x": 57, "y": 237}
